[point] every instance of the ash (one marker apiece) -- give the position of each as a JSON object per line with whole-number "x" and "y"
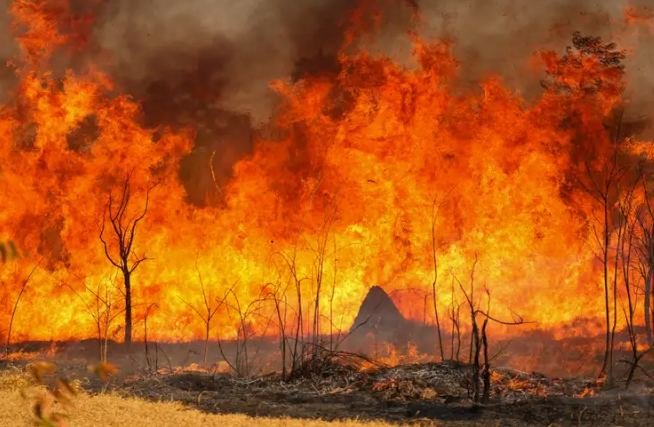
{"x": 420, "y": 393}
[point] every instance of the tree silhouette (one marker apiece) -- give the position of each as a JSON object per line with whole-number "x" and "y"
{"x": 124, "y": 229}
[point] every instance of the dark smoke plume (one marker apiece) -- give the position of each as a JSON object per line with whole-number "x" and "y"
{"x": 208, "y": 63}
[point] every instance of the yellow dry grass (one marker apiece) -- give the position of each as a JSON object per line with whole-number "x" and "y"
{"x": 108, "y": 410}
{"x": 114, "y": 411}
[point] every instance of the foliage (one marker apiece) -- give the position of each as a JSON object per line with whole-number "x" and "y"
{"x": 589, "y": 66}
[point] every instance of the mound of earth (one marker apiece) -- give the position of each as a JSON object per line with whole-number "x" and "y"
{"x": 378, "y": 313}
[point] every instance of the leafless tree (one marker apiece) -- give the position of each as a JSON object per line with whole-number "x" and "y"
{"x": 479, "y": 337}
{"x": 243, "y": 362}
{"x": 636, "y": 242}
{"x": 455, "y": 316}
{"x": 209, "y": 309}
{"x": 151, "y": 363}
{"x": 436, "y": 206}
{"x": 101, "y": 309}
{"x": 277, "y": 294}
{"x": 319, "y": 249}
{"x": 18, "y": 298}
{"x": 601, "y": 186}
{"x": 622, "y": 227}
{"x": 630, "y": 217}
{"x": 124, "y": 231}
{"x": 645, "y": 252}
{"x": 296, "y": 279}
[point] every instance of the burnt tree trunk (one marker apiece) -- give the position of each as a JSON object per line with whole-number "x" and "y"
{"x": 206, "y": 345}
{"x": 475, "y": 364}
{"x": 605, "y": 261}
{"x": 486, "y": 376}
{"x": 124, "y": 232}
{"x": 128, "y": 306}
{"x": 648, "y": 306}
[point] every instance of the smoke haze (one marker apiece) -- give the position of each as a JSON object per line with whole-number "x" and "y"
{"x": 208, "y": 63}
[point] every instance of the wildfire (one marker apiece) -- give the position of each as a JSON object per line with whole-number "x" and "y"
{"x": 377, "y": 169}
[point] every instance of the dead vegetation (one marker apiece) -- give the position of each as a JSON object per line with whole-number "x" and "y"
{"x": 124, "y": 229}
{"x": 338, "y": 385}
{"x": 424, "y": 393}
{"x": 116, "y": 411}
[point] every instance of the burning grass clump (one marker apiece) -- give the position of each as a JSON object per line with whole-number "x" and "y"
{"x": 330, "y": 364}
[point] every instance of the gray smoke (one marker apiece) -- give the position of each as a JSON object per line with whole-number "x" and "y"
{"x": 498, "y": 37}
{"x": 247, "y": 43}
{"x": 233, "y": 50}
{"x": 208, "y": 63}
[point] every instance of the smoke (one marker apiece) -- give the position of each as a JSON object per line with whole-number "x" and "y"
{"x": 243, "y": 44}
{"x": 208, "y": 63}
{"x": 219, "y": 56}
{"x": 499, "y": 37}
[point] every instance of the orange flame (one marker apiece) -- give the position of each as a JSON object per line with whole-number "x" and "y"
{"x": 344, "y": 201}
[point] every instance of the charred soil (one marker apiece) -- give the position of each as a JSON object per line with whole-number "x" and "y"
{"x": 427, "y": 394}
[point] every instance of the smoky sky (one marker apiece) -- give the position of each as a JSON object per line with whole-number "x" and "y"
{"x": 223, "y": 54}
{"x": 209, "y": 63}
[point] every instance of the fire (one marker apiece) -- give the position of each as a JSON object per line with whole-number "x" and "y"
{"x": 343, "y": 201}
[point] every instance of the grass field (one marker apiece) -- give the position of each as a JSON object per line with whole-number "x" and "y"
{"x": 149, "y": 402}
{"x": 114, "y": 411}
{"x": 110, "y": 410}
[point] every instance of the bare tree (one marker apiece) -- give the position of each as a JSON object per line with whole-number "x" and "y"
{"x": 602, "y": 189}
{"x": 320, "y": 257}
{"x": 209, "y": 311}
{"x": 124, "y": 231}
{"x": 18, "y": 298}
{"x": 243, "y": 362}
{"x": 645, "y": 251}
{"x": 455, "y": 316}
{"x": 631, "y": 217}
{"x": 152, "y": 363}
{"x": 296, "y": 279}
{"x": 569, "y": 79}
{"x": 331, "y": 304}
{"x": 277, "y": 294}
{"x": 434, "y": 215}
{"x": 101, "y": 309}
{"x": 479, "y": 338}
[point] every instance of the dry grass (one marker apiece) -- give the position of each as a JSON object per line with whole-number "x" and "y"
{"x": 113, "y": 411}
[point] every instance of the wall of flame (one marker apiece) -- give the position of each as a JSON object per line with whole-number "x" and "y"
{"x": 366, "y": 165}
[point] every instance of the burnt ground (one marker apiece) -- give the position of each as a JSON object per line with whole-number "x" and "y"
{"x": 426, "y": 394}
{"x": 423, "y": 393}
